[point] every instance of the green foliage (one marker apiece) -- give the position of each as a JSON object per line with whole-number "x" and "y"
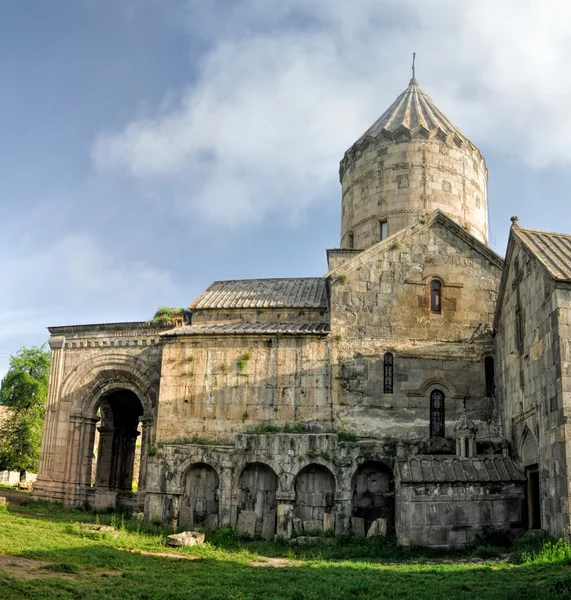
{"x": 153, "y": 451}
{"x": 347, "y": 436}
{"x": 338, "y": 338}
{"x": 494, "y": 537}
{"x": 340, "y": 279}
{"x": 242, "y": 362}
{"x": 195, "y": 439}
{"x": 62, "y": 568}
{"x": 24, "y": 391}
{"x": 397, "y": 246}
{"x": 245, "y": 416}
{"x": 165, "y": 315}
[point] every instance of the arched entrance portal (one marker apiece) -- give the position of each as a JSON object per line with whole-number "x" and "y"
{"x": 199, "y": 502}
{"x": 314, "y": 499}
{"x": 373, "y": 501}
{"x": 120, "y": 413}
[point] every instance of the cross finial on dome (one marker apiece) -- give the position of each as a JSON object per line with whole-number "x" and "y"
{"x": 413, "y": 81}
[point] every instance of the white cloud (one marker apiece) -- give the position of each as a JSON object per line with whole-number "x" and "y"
{"x": 286, "y": 87}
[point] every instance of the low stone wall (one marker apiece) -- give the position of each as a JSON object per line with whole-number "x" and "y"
{"x": 450, "y": 515}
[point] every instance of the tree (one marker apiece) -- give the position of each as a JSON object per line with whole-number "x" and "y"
{"x": 24, "y": 392}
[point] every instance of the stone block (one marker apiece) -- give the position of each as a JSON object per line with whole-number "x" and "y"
{"x": 358, "y": 526}
{"x": 297, "y": 526}
{"x": 269, "y": 525}
{"x": 105, "y": 500}
{"x": 186, "y": 538}
{"x": 3, "y": 500}
{"x": 211, "y": 522}
{"x": 328, "y": 521}
{"x": 247, "y": 523}
{"x": 312, "y": 526}
{"x": 378, "y": 527}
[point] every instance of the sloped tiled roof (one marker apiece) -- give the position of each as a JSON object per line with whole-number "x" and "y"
{"x": 251, "y": 329}
{"x": 412, "y": 109}
{"x": 452, "y": 469}
{"x": 552, "y": 249}
{"x": 303, "y": 292}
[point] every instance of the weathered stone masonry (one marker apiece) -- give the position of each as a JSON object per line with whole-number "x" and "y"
{"x": 419, "y": 388}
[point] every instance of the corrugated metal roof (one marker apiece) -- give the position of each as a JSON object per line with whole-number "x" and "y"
{"x": 552, "y": 249}
{"x": 452, "y": 469}
{"x": 303, "y": 292}
{"x": 251, "y": 329}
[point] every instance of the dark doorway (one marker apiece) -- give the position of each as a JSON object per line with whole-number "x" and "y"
{"x": 120, "y": 411}
{"x": 373, "y": 496}
{"x": 532, "y": 497}
{"x": 199, "y": 502}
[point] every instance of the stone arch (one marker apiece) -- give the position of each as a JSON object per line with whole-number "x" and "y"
{"x": 432, "y": 383}
{"x": 314, "y": 506}
{"x": 85, "y": 384}
{"x": 200, "y": 497}
{"x": 372, "y": 499}
{"x": 91, "y": 384}
{"x": 529, "y": 449}
{"x": 258, "y": 485}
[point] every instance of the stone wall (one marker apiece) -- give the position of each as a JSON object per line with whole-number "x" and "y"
{"x": 401, "y": 180}
{"x": 216, "y": 387}
{"x": 317, "y": 481}
{"x": 534, "y": 379}
{"x": 445, "y": 515}
{"x": 380, "y": 303}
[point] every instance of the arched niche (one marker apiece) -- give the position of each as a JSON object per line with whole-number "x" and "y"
{"x": 314, "y": 498}
{"x": 529, "y": 449}
{"x": 373, "y": 498}
{"x": 258, "y": 486}
{"x": 199, "y": 501}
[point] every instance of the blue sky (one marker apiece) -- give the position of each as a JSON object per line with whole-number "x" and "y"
{"x": 149, "y": 147}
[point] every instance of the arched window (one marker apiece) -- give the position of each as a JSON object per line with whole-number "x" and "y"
{"x": 435, "y": 296}
{"x": 437, "y": 428}
{"x": 388, "y": 373}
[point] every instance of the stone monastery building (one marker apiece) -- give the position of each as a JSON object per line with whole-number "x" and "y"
{"x": 422, "y": 387}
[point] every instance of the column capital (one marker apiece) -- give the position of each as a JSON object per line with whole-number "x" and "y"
{"x": 56, "y": 341}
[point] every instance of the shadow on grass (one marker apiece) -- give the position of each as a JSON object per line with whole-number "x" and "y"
{"x": 155, "y": 578}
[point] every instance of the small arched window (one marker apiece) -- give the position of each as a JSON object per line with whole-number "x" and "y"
{"x": 435, "y": 296}
{"x": 388, "y": 373}
{"x": 437, "y": 428}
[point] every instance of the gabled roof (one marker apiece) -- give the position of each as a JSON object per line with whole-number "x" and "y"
{"x": 389, "y": 243}
{"x": 452, "y": 469}
{"x": 302, "y": 292}
{"x": 552, "y": 251}
{"x": 250, "y": 329}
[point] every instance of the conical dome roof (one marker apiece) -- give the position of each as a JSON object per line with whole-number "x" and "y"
{"x": 412, "y": 109}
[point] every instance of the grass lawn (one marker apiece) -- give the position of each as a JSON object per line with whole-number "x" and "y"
{"x": 45, "y": 552}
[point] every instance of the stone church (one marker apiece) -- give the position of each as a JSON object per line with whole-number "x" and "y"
{"x": 420, "y": 388}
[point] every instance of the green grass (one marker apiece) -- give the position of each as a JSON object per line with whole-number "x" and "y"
{"x": 103, "y": 566}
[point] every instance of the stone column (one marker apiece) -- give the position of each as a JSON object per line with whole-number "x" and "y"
{"x": 51, "y": 421}
{"x": 127, "y": 459}
{"x": 89, "y": 426}
{"x": 104, "y": 457}
{"x": 225, "y": 499}
{"x": 286, "y": 502}
{"x": 145, "y": 448}
{"x": 342, "y": 512}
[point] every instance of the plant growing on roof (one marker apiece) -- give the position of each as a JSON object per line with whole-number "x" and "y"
{"x": 164, "y": 315}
